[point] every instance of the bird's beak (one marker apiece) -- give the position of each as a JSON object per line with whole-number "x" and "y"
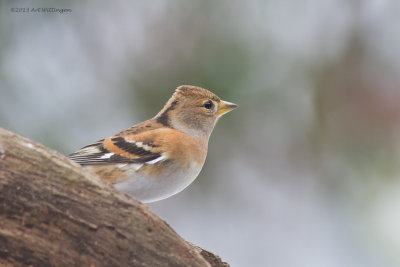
{"x": 225, "y": 107}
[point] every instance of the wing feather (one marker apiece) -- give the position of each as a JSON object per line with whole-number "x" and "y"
{"x": 118, "y": 150}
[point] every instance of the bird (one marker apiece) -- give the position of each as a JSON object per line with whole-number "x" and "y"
{"x": 159, "y": 157}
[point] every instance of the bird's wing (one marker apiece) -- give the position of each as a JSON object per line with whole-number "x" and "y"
{"x": 118, "y": 149}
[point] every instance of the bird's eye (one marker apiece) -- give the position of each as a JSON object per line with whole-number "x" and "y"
{"x": 208, "y": 105}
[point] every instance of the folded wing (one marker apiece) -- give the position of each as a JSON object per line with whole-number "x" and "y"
{"x": 115, "y": 150}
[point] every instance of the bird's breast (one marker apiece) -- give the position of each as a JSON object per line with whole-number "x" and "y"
{"x": 152, "y": 183}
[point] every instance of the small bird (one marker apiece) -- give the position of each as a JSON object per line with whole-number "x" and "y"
{"x": 158, "y": 158}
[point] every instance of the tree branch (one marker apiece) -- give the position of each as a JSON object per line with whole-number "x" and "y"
{"x": 55, "y": 213}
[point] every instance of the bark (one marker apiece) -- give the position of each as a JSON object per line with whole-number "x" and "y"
{"x": 55, "y": 213}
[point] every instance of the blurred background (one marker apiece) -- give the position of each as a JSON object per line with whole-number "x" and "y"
{"x": 305, "y": 173}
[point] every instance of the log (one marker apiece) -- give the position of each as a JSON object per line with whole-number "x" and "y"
{"x": 53, "y": 212}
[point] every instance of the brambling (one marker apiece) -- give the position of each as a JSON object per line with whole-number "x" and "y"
{"x": 159, "y": 157}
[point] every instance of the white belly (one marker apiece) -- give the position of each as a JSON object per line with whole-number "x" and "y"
{"x": 150, "y": 189}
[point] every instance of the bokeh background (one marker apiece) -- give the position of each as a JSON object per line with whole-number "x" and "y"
{"x": 305, "y": 173}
